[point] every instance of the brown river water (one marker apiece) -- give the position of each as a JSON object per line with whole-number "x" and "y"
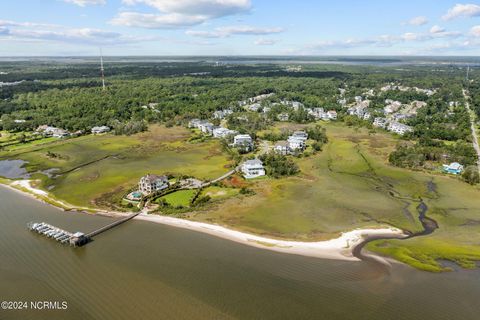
{"x": 142, "y": 270}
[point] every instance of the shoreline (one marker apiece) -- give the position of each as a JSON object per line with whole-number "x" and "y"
{"x": 341, "y": 248}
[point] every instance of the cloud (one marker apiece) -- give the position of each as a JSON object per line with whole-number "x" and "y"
{"x": 462, "y": 10}
{"x": 83, "y": 3}
{"x": 417, "y": 21}
{"x": 475, "y": 31}
{"x": 12, "y": 30}
{"x": 436, "y": 33}
{"x": 265, "y": 42}
{"x": 437, "y": 29}
{"x": 224, "y": 32}
{"x": 155, "y": 21}
{"x": 179, "y": 13}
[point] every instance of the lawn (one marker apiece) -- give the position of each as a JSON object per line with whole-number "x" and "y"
{"x": 180, "y": 198}
{"x": 99, "y": 170}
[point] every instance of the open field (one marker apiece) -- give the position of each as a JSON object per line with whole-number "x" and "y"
{"x": 99, "y": 170}
{"x": 350, "y": 185}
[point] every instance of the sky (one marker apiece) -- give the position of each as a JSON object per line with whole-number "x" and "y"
{"x": 239, "y": 27}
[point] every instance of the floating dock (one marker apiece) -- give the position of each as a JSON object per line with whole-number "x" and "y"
{"x": 76, "y": 239}
{"x": 57, "y": 234}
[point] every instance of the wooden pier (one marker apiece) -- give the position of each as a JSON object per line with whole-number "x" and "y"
{"x": 76, "y": 239}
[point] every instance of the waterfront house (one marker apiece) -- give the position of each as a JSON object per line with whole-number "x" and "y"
{"x": 453, "y": 168}
{"x": 102, "y": 129}
{"x": 253, "y": 169}
{"x": 152, "y": 183}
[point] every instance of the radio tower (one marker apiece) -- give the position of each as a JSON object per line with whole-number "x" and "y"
{"x": 102, "y": 70}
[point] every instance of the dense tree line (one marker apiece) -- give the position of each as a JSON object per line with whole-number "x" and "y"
{"x": 279, "y": 165}
{"x": 427, "y": 151}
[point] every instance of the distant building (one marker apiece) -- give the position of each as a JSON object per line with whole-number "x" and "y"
{"x": 332, "y": 115}
{"x": 399, "y": 128}
{"x": 48, "y": 131}
{"x": 194, "y": 123}
{"x": 206, "y": 127}
{"x": 221, "y": 114}
{"x": 283, "y": 117}
{"x": 317, "y": 113}
{"x": 453, "y": 168}
{"x": 243, "y": 141}
{"x": 152, "y": 183}
{"x": 282, "y": 147}
{"x": 254, "y": 107}
{"x": 380, "y": 122}
{"x": 300, "y": 135}
{"x": 253, "y": 169}
{"x": 223, "y": 132}
{"x": 102, "y": 129}
{"x": 294, "y": 104}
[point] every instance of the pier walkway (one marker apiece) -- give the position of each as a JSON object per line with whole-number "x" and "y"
{"x": 76, "y": 239}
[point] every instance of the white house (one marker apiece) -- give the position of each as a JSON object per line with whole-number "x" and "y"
{"x": 254, "y": 107}
{"x": 282, "y": 147}
{"x": 220, "y": 114}
{"x": 283, "y": 117}
{"x": 300, "y": 135}
{"x": 392, "y": 106}
{"x": 194, "y": 123}
{"x": 253, "y": 169}
{"x": 380, "y": 122}
{"x": 53, "y": 132}
{"x": 243, "y": 140}
{"x": 206, "y": 127}
{"x": 399, "y": 128}
{"x": 332, "y": 115}
{"x": 223, "y": 132}
{"x": 294, "y": 104}
{"x": 102, "y": 129}
{"x": 151, "y": 183}
{"x": 295, "y": 144}
{"x": 317, "y": 113}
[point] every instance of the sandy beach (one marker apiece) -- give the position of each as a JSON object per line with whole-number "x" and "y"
{"x": 340, "y": 248}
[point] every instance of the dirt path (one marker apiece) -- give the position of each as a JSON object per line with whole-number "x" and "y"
{"x": 472, "y": 127}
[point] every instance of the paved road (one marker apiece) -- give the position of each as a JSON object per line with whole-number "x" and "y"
{"x": 472, "y": 126}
